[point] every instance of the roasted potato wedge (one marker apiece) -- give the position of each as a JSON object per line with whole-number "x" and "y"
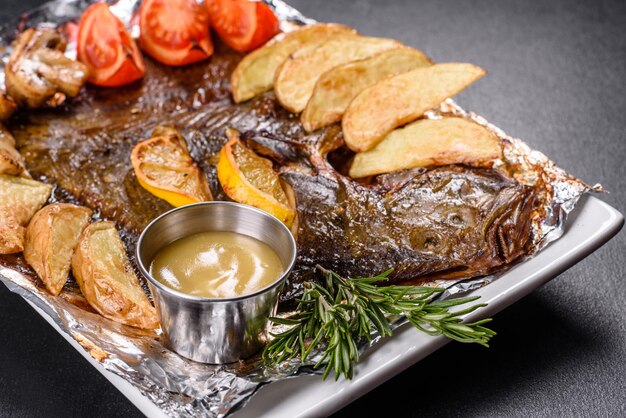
{"x": 11, "y": 161}
{"x": 427, "y": 143}
{"x": 20, "y": 198}
{"x": 51, "y": 237}
{"x": 296, "y": 78}
{"x": 336, "y": 88}
{"x": 400, "y": 99}
{"x": 255, "y": 72}
{"x": 107, "y": 280}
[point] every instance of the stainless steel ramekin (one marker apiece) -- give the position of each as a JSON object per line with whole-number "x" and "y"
{"x": 215, "y": 330}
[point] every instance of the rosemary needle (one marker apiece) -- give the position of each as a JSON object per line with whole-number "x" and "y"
{"x": 343, "y": 311}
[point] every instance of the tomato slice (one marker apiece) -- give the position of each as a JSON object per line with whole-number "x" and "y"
{"x": 243, "y": 25}
{"x": 175, "y": 32}
{"x": 267, "y": 25}
{"x": 105, "y": 46}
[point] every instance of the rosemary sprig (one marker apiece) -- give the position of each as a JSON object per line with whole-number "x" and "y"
{"x": 345, "y": 310}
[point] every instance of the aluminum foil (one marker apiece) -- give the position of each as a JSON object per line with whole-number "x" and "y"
{"x": 181, "y": 387}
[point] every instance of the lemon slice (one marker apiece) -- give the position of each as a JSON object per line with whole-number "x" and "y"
{"x": 250, "y": 179}
{"x": 164, "y": 168}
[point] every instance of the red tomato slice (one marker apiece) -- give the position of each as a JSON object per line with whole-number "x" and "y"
{"x": 267, "y": 26}
{"x": 243, "y": 25}
{"x": 107, "y": 49}
{"x": 175, "y": 32}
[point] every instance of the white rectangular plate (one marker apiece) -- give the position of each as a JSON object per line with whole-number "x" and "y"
{"x": 592, "y": 224}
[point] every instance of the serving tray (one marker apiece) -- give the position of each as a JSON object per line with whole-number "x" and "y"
{"x": 589, "y": 226}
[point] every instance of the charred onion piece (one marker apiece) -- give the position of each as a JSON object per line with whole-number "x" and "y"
{"x": 38, "y": 73}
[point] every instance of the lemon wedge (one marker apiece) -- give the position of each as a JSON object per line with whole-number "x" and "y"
{"x": 164, "y": 167}
{"x": 250, "y": 179}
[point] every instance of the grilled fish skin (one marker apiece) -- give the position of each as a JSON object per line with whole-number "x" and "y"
{"x": 446, "y": 223}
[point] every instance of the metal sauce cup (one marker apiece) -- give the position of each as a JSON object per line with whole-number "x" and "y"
{"x": 215, "y": 330}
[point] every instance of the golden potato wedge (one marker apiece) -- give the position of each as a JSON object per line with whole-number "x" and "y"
{"x": 296, "y": 78}
{"x": 255, "y": 72}
{"x": 107, "y": 280}
{"x": 336, "y": 88}
{"x": 11, "y": 161}
{"x": 427, "y": 143}
{"x": 400, "y": 99}
{"x": 11, "y": 236}
{"x": 51, "y": 237}
{"x": 20, "y": 198}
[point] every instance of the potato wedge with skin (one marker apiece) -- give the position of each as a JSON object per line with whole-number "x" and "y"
{"x": 11, "y": 236}
{"x": 296, "y": 78}
{"x": 20, "y": 198}
{"x": 429, "y": 142}
{"x": 398, "y": 100}
{"x": 336, "y": 88}
{"x": 11, "y": 161}
{"x": 107, "y": 279}
{"x": 255, "y": 72}
{"x": 51, "y": 237}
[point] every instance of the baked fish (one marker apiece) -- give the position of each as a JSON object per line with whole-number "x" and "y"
{"x": 446, "y": 223}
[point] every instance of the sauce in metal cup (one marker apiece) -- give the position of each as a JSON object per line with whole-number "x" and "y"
{"x": 215, "y": 330}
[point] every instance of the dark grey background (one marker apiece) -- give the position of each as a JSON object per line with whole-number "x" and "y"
{"x": 556, "y": 79}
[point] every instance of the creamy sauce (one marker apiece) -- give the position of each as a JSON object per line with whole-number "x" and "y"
{"x": 216, "y": 265}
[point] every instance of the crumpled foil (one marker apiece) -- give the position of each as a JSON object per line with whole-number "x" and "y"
{"x": 181, "y": 387}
